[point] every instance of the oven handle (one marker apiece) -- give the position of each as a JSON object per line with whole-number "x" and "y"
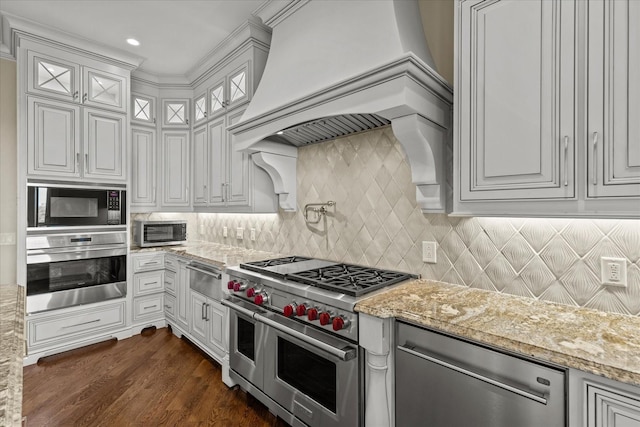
{"x": 343, "y": 354}
{"x": 215, "y": 275}
{"x": 36, "y": 256}
{"x": 239, "y": 309}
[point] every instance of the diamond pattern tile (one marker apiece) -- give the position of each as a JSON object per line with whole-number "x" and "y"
{"x": 377, "y": 221}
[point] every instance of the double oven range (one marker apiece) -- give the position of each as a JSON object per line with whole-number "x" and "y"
{"x": 76, "y": 244}
{"x": 293, "y": 340}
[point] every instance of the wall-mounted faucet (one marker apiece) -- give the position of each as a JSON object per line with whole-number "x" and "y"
{"x": 318, "y": 210}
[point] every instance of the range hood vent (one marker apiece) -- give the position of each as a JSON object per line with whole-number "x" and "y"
{"x": 340, "y": 67}
{"x": 330, "y": 128}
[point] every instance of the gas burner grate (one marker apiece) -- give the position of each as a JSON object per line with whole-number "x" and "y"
{"x": 354, "y": 280}
{"x": 259, "y": 265}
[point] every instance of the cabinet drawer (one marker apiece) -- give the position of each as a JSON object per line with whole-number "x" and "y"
{"x": 85, "y": 323}
{"x": 146, "y": 262}
{"x": 170, "y": 306}
{"x": 171, "y": 262}
{"x": 146, "y": 307}
{"x": 146, "y": 283}
{"x": 170, "y": 281}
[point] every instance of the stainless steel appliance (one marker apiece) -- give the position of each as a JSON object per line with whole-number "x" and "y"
{"x": 205, "y": 279}
{"x": 70, "y": 269}
{"x": 293, "y": 340}
{"x": 67, "y": 205}
{"x": 444, "y": 381}
{"x": 159, "y": 233}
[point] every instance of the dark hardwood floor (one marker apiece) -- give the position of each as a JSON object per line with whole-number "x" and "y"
{"x": 147, "y": 380}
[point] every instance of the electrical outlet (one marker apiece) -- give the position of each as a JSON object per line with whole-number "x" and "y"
{"x": 429, "y": 252}
{"x": 225, "y": 232}
{"x": 239, "y": 233}
{"x": 253, "y": 235}
{"x": 613, "y": 271}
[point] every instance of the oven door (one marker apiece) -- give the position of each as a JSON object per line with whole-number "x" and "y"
{"x": 65, "y": 277}
{"x": 246, "y": 341}
{"x": 312, "y": 374}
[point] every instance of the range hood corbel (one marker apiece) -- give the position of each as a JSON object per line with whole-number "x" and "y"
{"x": 369, "y": 68}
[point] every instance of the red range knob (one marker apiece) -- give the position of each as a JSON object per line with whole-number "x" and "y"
{"x": 230, "y": 284}
{"x": 260, "y": 299}
{"x": 301, "y": 310}
{"x": 251, "y": 292}
{"x": 312, "y": 314}
{"x": 238, "y": 286}
{"x": 339, "y": 323}
{"x": 325, "y": 318}
{"x": 288, "y": 310}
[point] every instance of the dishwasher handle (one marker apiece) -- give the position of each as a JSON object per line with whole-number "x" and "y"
{"x": 512, "y": 389}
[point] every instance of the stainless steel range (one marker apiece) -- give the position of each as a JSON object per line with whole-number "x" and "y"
{"x": 294, "y": 336}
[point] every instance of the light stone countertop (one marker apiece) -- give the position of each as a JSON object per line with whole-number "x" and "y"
{"x": 594, "y": 341}
{"x": 12, "y": 301}
{"x": 212, "y": 253}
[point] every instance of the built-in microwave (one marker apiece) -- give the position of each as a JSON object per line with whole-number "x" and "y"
{"x": 68, "y": 205}
{"x": 159, "y": 233}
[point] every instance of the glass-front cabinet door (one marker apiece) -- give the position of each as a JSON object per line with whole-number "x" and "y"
{"x": 175, "y": 113}
{"x": 238, "y": 86}
{"x": 143, "y": 109}
{"x": 104, "y": 90}
{"x": 200, "y": 109}
{"x": 216, "y": 99}
{"x": 53, "y": 77}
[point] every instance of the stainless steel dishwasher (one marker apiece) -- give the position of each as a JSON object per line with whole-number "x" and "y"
{"x": 205, "y": 279}
{"x": 443, "y": 381}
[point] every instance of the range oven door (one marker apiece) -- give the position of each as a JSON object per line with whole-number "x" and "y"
{"x": 312, "y": 374}
{"x": 246, "y": 342}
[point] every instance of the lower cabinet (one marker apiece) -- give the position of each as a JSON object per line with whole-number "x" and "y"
{"x": 207, "y": 324}
{"x": 148, "y": 289}
{"x": 600, "y": 402}
{"x": 176, "y": 286}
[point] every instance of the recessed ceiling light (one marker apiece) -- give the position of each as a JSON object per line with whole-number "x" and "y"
{"x": 133, "y": 42}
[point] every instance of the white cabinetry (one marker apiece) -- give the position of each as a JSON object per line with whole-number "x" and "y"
{"x": 595, "y": 401}
{"x": 524, "y": 88}
{"x": 230, "y": 91}
{"x": 175, "y": 113}
{"x": 148, "y": 289}
{"x": 143, "y": 171}
{"x": 177, "y": 294}
{"x": 143, "y": 109}
{"x": 175, "y": 164}
{"x": 76, "y": 123}
{"x": 208, "y": 324}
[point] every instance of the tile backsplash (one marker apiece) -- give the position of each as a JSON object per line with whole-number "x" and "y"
{"x": 376, "y": 221}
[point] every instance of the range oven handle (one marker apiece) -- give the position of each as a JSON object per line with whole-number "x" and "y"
{"x": 344, "y": 354}
{"x": 477, "y": 376}
{"x": 37, "y": 256}
{"x": 239, "y": 309}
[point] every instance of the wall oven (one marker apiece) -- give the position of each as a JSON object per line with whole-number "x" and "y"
{"x": 69, "y": 269}
{"x": 66, "y": 205}
{"x": 312, "y": 375}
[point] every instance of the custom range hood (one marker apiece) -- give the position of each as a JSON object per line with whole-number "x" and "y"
{"x": 338, "y": 67}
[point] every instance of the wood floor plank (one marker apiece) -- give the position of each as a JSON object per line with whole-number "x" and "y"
{"x": 150, "y": 379}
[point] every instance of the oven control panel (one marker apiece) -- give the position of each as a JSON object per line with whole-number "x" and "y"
{"x": 305, "y": 310}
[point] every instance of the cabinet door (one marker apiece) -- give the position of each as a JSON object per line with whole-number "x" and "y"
{"x": 143, "y": 109}
{"x": 200, "y": 169}
{"x": 53, "y": 132}
{"x": 216, "y": 325}
{"x": 614, "y": 98}
{"x": 53, "y": 77}
{"x": 175, "y": 149}
{"x": 175, "y": 113}
{"x": 199, "y": 324}
{"x": 217, "y": 102}
{"x": 105, "y": 151}
{"x": 516, "y": 99}
{"x": 200, "y": 109}
{"x": 609, "y": 408}
{"x": 237, "y": 169}
{"x": 217, "y": 163}
{"x": 238, "y": 83}
{"x": 182, "y": 295}
{"x": 104, "y": 90}
{"x": 143, "y": 167}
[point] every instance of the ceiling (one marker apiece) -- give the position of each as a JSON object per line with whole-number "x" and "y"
{"x": 174, "y": 35}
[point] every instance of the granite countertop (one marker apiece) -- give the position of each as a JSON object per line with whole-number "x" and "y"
{"x": 589, "y": 340}
{"x": 212, "y": 253}
{"x": 11, "y": 353}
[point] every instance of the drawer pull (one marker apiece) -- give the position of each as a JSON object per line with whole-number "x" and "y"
{"x": 150, "y": 263}
{"x": 149, "y": 283}
{"x": 150, "y": 306}
{"x": 80, "y": 324}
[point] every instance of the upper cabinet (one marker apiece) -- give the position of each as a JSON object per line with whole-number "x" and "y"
{"x": 175, "y": 113}
{"x": 55, "y": 76}
{"x": 232, "y": 90}
{"x": 143, "y": 109}
{"x": 524, "y": 85}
